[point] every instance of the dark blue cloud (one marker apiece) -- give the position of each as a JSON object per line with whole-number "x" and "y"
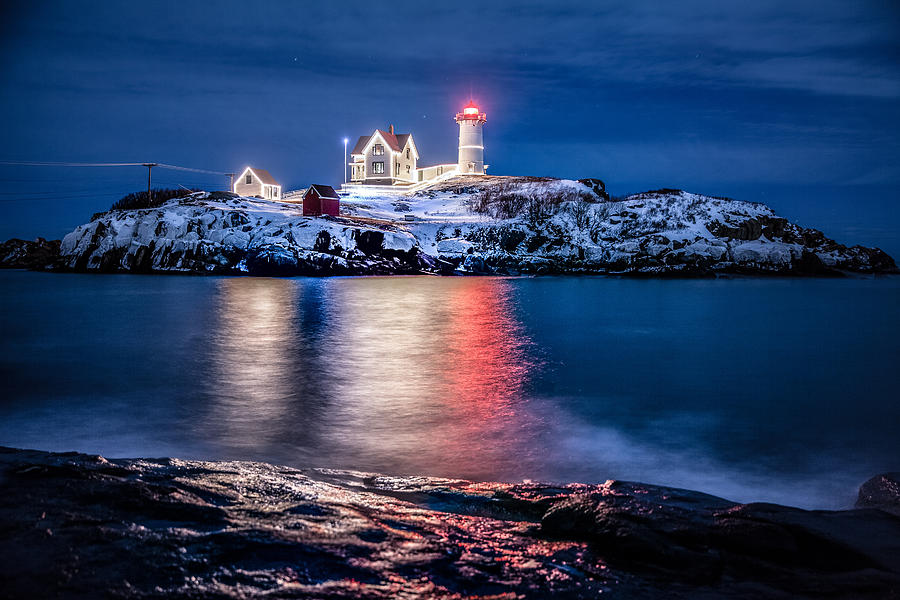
{"x": 709, "y": 96}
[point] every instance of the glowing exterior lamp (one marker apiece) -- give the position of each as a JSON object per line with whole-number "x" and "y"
{"x": 345, "y": 160}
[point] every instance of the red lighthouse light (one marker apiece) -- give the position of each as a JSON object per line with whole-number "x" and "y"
{"x": 471, "y": 112}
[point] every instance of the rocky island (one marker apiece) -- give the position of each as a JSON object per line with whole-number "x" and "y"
{"x": 80, "y": 526}
{"x": 466, "y": 225}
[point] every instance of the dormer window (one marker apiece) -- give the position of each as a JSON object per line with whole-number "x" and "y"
{"x": 378, "y": 149}
{"x": 249, "y": 179}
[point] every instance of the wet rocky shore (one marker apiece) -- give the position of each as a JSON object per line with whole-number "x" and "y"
{"x": 81, "y": 526}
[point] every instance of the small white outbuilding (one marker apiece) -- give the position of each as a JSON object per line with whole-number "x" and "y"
{"x": 257, "y": 182}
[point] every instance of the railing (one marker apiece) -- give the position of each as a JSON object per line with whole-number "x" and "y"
{"x": 473, "y": 117}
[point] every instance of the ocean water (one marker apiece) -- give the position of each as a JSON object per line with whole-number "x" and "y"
{"x": 779, "y": 390}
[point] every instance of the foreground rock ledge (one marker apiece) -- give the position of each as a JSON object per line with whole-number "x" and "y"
{"x": 79, "y": 526}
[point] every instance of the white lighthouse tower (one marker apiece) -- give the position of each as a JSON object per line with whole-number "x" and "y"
{"x": 471, "y": 139}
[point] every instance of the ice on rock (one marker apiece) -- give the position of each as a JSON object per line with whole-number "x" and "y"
{"x": 759, "y": 251}
{"x": 455, "y": 246}
{"x": 402, "y": 242}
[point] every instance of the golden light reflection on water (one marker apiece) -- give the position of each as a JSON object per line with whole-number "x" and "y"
{"x": 397, "y": 375}
{"x": 252, "y": 362}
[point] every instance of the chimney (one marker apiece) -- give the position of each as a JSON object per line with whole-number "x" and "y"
{"x": 392, "y": 129}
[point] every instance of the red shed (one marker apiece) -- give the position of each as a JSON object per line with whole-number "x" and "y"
{"x": 321, "y": 200}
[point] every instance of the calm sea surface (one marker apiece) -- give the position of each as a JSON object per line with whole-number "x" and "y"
{"x": 754, "y": 389}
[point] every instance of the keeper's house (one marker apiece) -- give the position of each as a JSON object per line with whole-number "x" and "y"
{"x": 257, "y": 182}
{"x": 384, "y": 158}
{"x": 321, "y": 200}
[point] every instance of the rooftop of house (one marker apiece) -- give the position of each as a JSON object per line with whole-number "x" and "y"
{"x": 324, "y": 191}
{"x": 395, "y": 141}
{"x": 264, "y": 176}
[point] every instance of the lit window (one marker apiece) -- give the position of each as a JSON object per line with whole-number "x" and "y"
{"x": 378, "y": 167}
{"x": 249, "y": 179}
{"x": 378, "y": 150}
{"x": 397, "y": 169}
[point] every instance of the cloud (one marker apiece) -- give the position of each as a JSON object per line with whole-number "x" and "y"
{"x": 824, "y": 75}
{"x": 818, "y": 48}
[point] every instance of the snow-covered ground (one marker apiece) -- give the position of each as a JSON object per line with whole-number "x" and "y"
{"x": 445, "y": 202}
{"x": 440, "y": 210}
{"x": 607, "y": 231}
{"x": 476, "y": 224}
{"x": 215, "y": 232}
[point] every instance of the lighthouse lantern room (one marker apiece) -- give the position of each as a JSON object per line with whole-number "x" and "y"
{"x": 471, "y": 139}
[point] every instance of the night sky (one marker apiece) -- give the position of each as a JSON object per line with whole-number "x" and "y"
{"x": 796, "y": 104}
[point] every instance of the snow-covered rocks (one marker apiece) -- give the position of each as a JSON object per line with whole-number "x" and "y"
{"x": 764, "y": 252}
{"x": 223, "y": 233}
{"x": 503, "y": 225}
{"x": 454, "y": 246}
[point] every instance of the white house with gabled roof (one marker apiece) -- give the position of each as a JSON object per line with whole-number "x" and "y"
{"x": 384, "y": 158}
{"x": 257, "y": 182}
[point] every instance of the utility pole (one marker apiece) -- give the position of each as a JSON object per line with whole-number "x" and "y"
{"x": 149, "y": 177}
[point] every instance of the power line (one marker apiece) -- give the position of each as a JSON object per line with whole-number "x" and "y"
{"x": 42, "y": 180}
{"x": 38, "y": 195}
{"x": 100, "y": 189}
{"x": 56, "y": 197}
{"x": 63, "y": 191}
{"x": 177, "y": 168}
{"x": 28, "y": 163}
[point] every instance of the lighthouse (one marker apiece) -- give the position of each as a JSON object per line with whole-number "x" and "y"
{"x": 471, "y": 139}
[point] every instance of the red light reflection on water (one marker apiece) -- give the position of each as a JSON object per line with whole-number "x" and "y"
{"x": 486, "y": 347}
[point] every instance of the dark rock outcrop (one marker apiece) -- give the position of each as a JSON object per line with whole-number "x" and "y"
{"x": 79, "y": 526}
{"x": 691, "y": 537}
{"x": 882, "y": 491}
{"x": 597, "y": 186}
{"x": 24, "y": 254}
{"x": 751, "y": 229}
